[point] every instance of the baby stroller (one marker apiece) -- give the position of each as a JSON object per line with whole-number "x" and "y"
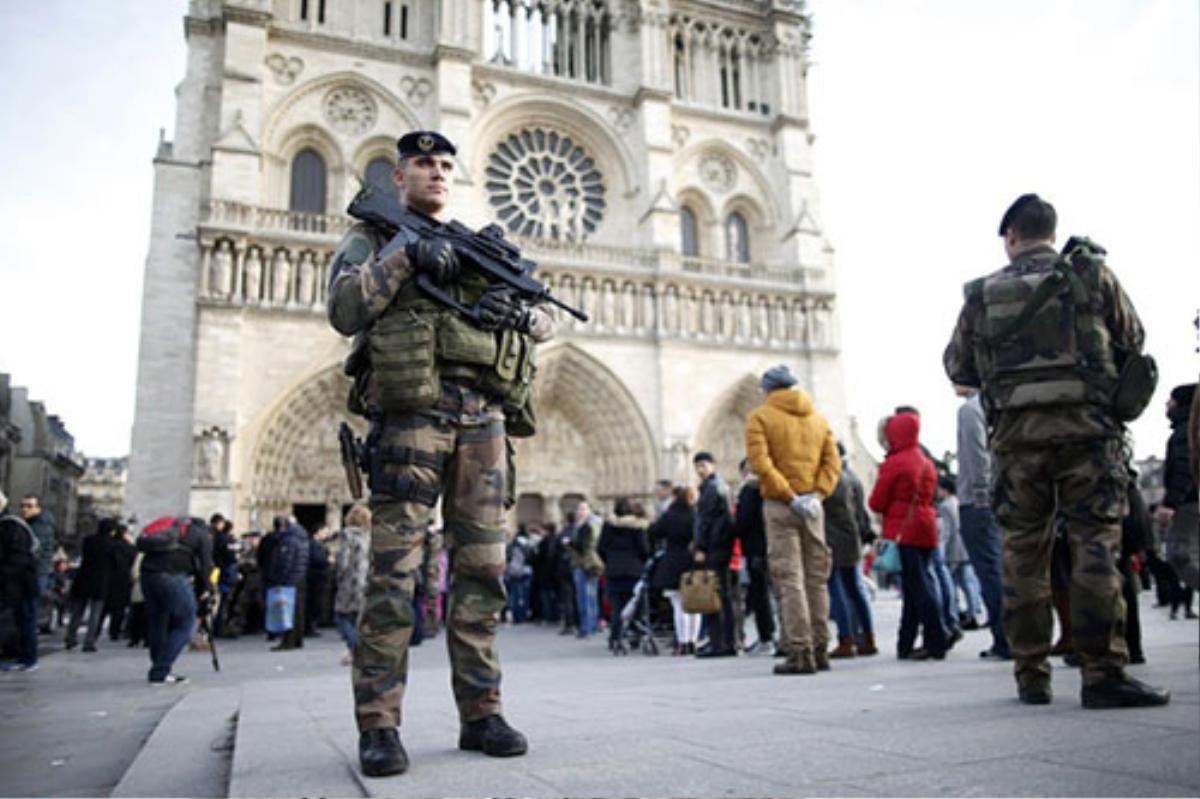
{"x": 635, "y": 616}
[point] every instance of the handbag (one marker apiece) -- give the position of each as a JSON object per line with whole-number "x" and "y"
{"x": 281, "y": 608}
{"x": 700, "y": 591}
{"x": 887, "y": 557}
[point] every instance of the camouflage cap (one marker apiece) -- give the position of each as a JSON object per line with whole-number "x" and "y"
{"x": 423, "y": 142}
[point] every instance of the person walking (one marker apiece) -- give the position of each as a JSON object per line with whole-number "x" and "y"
{"x": 792, "y": 450}
{"x": 673, "y": 531}
{"x": 1046, "y": 340}
{"x": 903, "y": 493}
{"x": 624, "y": 548}
{"x": 118, "y": 579}
{"x": 176, "y": 568}
{"x": 89, "y": 587}
{"x": 288, "y": 566}
{"x": 1179, "y": 511}
{"x": 712, "y": 549}
{"x": 351, "y": 568}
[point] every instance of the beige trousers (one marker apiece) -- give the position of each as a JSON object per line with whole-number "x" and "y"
{"x": 799, "y": 561}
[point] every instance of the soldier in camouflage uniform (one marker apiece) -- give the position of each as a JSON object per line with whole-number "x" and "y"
{"x": 424, "y": 377}
{"x": 1047, "y": 363}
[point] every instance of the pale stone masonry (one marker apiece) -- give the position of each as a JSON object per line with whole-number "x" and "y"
{"x": 654, "y": 157}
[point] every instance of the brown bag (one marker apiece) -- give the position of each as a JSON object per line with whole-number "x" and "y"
{"x": 700, "y": 591}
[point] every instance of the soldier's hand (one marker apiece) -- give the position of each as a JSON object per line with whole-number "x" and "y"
{"x": 435, "y": 257}
{"x": 493, "y": 310}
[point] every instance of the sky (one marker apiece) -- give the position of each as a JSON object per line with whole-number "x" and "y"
{"x": 930, "y": 117}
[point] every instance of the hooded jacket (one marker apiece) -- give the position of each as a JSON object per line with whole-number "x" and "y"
{"x": 904, "y": 491}
{"x": 790, "y": 447}
{"x": 623, "y": 546}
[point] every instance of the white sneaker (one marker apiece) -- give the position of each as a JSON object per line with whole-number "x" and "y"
{"x": 170, "y": 679}
{"x": 30, "y": 667}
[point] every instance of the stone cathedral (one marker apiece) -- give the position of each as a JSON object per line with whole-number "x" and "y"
{"x": 653, "y": 156}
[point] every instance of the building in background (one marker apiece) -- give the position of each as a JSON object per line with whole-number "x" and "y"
{"x": 37, "y": 456}
{"x": 101, "y": 492}
{"x": 653, "y": 156}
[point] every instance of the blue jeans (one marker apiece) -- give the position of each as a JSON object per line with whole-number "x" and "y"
{"x": 919, "y": 606}
{"x": 964, "y": 578}
{"x": 981, "y": 536}
{"x": 550, "y": 604}
{"x": 347, "y": 626}
{"x": 839, "y": 607}
{"x": 518, "y": 598}
{"x": 858, "y": 607}
{"x": 170, "y": 616}
{"x": 587, "y": 597}
{"x": 947, "y": 595}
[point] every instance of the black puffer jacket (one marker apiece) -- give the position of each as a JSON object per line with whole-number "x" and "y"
{"x": 623, "y": 546}
{"x": 841, "y": 527}
{"x": 674, "y": 529}
{"x": 91, "y": 581}
{"x": 1178, "y": 485}
{"x": 18, "y": 564}
{"x": 749, "y": 525}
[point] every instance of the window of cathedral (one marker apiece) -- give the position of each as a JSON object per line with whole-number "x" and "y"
{"x": 542, "y": 184}
{"x": 308, "y": 182}
{"x": 567, "y": 39}
{"x": 689, "y": 243}
{"x": 401, "y": 19}
{"x": 737, "y": 238}
{"x": 379, "y": 173}
{"x": 719, "y": 65}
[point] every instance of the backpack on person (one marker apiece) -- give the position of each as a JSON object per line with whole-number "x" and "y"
{"x": 165, "y": 534}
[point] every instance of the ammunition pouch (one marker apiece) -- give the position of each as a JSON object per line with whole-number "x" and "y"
{"x": 404, "y": 487}
{"x": 357, "y": 367}
{"x": 1135, "y": 387}
{"x": 403, "y": 351}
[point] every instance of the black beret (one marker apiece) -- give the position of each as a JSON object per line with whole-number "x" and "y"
{"x": 1018, "y": 204}
{"x": 423, "y": 142}
{"x": 1183, "y": 394}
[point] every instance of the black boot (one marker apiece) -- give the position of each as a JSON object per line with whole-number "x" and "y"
{"x": 1121, "y": 690}
{"x": 492, "y": 736}
{"x": 1035, "y": 693}
{"x": 380, "y": 752}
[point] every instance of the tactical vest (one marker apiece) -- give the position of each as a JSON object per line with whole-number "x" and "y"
{"x": 1043, "y": 341}
{"x": 417, "y": 343}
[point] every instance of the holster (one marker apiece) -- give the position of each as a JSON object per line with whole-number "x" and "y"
{"x": 402, "y": 486}
{"x": 352, "y": 452}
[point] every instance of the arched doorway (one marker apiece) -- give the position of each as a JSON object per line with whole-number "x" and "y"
{"x": 297, "y": 466}
{"x": 723, "y": 431}
{"x": 592, "y": 437}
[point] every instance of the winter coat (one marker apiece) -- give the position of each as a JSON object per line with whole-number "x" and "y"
{"x": 949, "y": 534}
{"x": 193, "y": 558}
{"x": 858, "y": 501}
{"x": 119, "y": 580}
{"x": 674, "y": 529}
{"x": 1136, "y": 529}
{"x": 518, "y": 560}
{"x": 289, "y": 560}
{"x": 1179, "y": 488}
{"x": 91, "y": 581}
{"x": 714, "y": 522}
{"x": 43, "y": 530}
{"x": 351, "y": 569}
{"x": 584, "y": 538}
{"x": 18, "y": 561}
{"x": 749, "y": 526}
{"x": 318, "y": 561}
{"x": 841, "y": 527}
{"x": 624, "y": 546}
{"x": 790, "y": 446}
{"x": 903, "y": 493}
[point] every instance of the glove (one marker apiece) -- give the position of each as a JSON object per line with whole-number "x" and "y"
{"x": 806, "y": 506}
{"x": 435, "y": 257}
{"x": 496, "y": 312}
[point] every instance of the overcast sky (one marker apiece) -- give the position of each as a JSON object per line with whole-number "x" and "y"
{"x": 930, "y": 117}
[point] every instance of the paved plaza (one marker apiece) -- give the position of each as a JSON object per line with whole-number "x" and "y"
{"x": 281, "y": 724}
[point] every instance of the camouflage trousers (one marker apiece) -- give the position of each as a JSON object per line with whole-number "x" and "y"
{"x": 457, "y": 451}
{"x": 1085, "y": 483}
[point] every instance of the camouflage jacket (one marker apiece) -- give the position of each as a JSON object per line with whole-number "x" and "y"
{"x": 361, "y": 287}
{"x": 1050, "y": 425}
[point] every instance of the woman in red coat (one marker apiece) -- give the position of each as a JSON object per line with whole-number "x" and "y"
{"x": 904, "y": 495}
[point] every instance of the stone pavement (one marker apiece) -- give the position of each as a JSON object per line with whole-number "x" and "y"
{"x": 605, "y": 726}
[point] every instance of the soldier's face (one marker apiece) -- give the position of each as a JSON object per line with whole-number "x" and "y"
{"x": 424, "y": 182}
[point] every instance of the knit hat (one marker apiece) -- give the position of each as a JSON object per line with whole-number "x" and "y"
{"x": 1183, "y": 394}
{"x": 777, "y": 377}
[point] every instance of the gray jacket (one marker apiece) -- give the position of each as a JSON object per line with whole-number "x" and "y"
{"x": 974, "y": 485}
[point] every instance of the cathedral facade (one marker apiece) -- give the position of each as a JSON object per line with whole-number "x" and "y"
{"x": 654, "y": 157}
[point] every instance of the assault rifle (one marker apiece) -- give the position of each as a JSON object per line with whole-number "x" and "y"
{"x": 486, "y": 251}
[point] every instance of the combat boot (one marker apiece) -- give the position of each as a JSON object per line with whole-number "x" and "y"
{"x": 492, "y": 736}
{"x": 380, "y": 752}
{"x": 844, "y": 649}
{"x": 801, "y": 663}
{"x": 820, "y": 657}
{"x": 1034, "y": 693}
{"x": 1121, "y": 690}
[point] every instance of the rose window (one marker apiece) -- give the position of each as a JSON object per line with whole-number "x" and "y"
{"x": 543, "y": 184}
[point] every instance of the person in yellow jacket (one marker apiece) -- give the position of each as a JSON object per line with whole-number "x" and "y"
{"x": 792, "y": 450}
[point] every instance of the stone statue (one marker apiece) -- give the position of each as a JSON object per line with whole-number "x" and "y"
{"x": 221, "y": 271}
{"x": 281, "y": 276}
{"x": 253, "y": 285}
{"x": 307, "y": 279}
{"x": 648, "y": 321}
{"x": 670, "y": 310}
{"x": 210, "y": 461}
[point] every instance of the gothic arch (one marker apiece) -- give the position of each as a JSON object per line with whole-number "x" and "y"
{"x": 585, "y": 127}
{"x": 394, "y": 115}
{"x": 592, "y": 437}
{"x": 723, "y": 429}
{"x": 761, "y": 195}
{"x": 295, "y": 457}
